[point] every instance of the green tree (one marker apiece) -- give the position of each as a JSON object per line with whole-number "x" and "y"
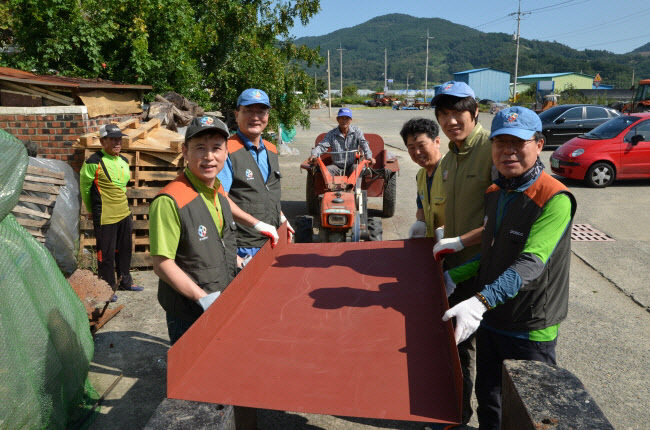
{"x": 207, "y": 50}
{"x": 349, "y": 91}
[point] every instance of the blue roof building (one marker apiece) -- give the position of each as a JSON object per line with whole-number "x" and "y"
{"x": 487, "y": 83}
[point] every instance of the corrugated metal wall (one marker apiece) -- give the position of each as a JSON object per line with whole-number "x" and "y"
{"x": 578, "y": 81}
{"x": 487, "y": 84}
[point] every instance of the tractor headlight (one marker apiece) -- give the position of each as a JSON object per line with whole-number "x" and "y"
{"x": 336, "y": 219}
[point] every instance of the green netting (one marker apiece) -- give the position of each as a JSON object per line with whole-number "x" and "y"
{"x": 45, "y": 341}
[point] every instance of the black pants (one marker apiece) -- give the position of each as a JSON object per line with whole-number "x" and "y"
{"x": 114, "y": 251}
{"x": 491, "y": 349}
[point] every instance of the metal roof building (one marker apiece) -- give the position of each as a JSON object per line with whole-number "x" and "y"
{"x": 562, "y": 80}
{"x": 487, "y": 83}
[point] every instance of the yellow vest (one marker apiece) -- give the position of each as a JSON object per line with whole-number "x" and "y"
{"x": 433, "y": 202}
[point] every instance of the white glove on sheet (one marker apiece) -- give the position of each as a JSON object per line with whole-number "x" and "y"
{"x": 418, "y": 229}
{"x": 447, "y": 246}
{"x": 450, "y": 286}
{"x": 269, "y": 231}
{"x": 439, "y": 233}
{"x": 469, "y": 314}
{"x": 290, "y": 230}
{"x": 206, "y": 301}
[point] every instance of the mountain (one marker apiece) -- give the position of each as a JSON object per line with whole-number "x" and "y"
{"x": 455, "y": 48}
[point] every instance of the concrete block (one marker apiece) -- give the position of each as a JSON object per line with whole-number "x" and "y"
{"x": 173, "y": 414}
{"x": 538, "y": 396}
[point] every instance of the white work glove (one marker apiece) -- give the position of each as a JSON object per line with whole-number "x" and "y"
{"x": 269, "y": 231}
{"x": 290, "y": 230}
{"x": 418, "y": 229}
{"x": 447, "y": 246}
{"x": 206, "y": 301}
{"x": 469, "y": 314}
{"x": 439, "y": 233}
{"x": 450, "y": 285}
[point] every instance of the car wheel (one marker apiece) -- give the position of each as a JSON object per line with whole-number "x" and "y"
{"x": 600, "y": 175}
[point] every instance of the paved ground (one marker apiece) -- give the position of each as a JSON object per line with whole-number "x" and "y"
{"x": 605, "y": 340}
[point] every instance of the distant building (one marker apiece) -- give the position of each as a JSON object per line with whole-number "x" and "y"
{"x": 487, "y": 83}
{"x": 562, "y": 81}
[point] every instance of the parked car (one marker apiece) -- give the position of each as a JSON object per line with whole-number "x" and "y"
{"x": 617, "y": 149}
{"x": 564, "y": 122}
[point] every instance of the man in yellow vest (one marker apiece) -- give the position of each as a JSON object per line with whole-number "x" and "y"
{"x": 421, "y": 138}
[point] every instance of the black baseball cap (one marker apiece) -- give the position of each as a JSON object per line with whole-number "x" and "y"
{"x": 110, "y": 130}
{"x": 201, "y": 124}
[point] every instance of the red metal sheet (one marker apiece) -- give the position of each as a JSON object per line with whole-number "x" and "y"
{"x": 349, "y": 329}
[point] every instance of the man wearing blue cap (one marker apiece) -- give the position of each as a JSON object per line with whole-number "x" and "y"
{"x": 522, "y": 273}
{"x": 251, "y": 176}
{"x": 343, "y": 138}
{"x": 466, "y": 172}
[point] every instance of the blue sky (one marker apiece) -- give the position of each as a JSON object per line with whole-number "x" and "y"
{"x": 618, "y": 26}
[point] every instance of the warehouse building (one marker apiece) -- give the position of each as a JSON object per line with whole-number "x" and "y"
{"x": 487, "y": 83}
{"x": 562, "y": 81}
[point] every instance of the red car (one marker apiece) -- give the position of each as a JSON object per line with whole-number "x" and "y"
{"x": 616, "y": 149}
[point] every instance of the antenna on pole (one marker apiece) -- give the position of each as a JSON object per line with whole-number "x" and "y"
{"x": 426, "y": 68}
{"x": 519, "y": 14}
{"x": 341, "y": 49}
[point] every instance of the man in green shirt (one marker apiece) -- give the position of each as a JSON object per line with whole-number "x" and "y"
{"x": 421, "y": 138}
{"x": 522, "y": 272}
{"x": 103, "y": 178}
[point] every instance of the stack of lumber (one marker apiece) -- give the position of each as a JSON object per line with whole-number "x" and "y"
{"x": 47, "y": 183}
{"x": 173, "y": 110}
{"x": 15, "y": 94}
{"x": 154, "y": 155}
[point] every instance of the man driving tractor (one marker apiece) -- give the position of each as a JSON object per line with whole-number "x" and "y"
{"x": 341, "y": 139}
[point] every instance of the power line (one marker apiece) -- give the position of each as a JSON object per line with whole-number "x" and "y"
{"x": 599, "y": 26}
{"x": 615, "y": 41}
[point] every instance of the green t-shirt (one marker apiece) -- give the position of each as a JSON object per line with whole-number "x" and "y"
{"x": 165, "y": 223}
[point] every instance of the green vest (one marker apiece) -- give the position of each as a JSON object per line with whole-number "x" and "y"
{"x": 433, "y": 202}
{"x": 465, "y": 176}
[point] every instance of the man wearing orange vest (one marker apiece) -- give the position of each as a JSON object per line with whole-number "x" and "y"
{"x": 251, "y": 176}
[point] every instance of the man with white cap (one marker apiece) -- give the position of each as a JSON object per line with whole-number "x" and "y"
{"x": 522, "y": 274}
{"x": 102, "y": 179}
{"x": 341, "y": 139}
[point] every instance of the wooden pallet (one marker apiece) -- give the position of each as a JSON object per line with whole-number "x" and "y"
{"x": 43, "y": 181}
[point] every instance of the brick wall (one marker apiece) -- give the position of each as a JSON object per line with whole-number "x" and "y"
{"x": 54, "y": 129}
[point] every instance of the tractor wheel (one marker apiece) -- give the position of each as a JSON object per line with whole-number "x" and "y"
{"x": 374, "y": 228}
{"x": 304, "y": 229}
{"x": 420, "y": 107}
{"x": 313, "y": 205}
{"x": 390, "y": 197}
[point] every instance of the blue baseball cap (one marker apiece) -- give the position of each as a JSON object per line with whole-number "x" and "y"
{"x": 253, "y": 96}
{"x": 344, "y": 112}
{"x": 453, "y": 88}
{"x": 517, "y": 121}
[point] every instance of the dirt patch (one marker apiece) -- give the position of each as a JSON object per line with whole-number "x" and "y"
{"x": 92, "y": 291}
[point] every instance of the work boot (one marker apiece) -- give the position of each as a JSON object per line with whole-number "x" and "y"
{"x": 113, "y": 299}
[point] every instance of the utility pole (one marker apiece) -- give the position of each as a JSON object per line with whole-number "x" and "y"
{"x": 426, "y": 68}
{"x": 329, "y": 86}
{"x": 340, "y": 49}
{"x": 385, "y": 70}
{"x": 519, "y": 14}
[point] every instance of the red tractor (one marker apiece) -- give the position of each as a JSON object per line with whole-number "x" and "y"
{"x": 380, "y": 99}
{"x": 341, "y": 202}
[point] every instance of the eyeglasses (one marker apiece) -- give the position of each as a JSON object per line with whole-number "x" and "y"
{"x": 260, "y": 113}
{"x": 516, "y": 144}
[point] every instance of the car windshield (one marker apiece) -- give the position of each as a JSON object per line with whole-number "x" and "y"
{"x": 552, "y": 113}
{"x": 611, "y": 128}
